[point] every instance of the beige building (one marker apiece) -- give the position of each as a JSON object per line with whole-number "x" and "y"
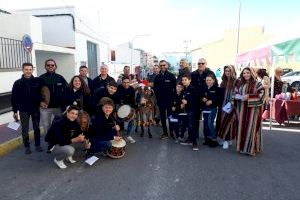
{"x": 224, "y": 51}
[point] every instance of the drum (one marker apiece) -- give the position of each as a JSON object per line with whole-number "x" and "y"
{"x": 45, "y": 92}
{"x": 117, "y": 149}
{"x": 126, "y": 112}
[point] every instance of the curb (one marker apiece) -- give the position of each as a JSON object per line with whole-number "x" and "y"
{"x": 13, "y": 144}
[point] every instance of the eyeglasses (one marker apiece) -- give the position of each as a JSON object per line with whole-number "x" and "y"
{"x": 162, "y": 65}
{"x": 201, "y": 63}
{"x": 48, "y": 65}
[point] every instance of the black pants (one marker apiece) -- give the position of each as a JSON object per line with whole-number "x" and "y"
{"x": 165, "y": 111}
{"x": 35, "y": 118}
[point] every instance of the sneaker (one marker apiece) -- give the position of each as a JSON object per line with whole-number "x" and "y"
{"x": 195, "y": 147}
{"x": 38, "y": 148}
{"x": 60, "y": 163}
{"x": 70, "y": 159}
{"x": 164, "y": 136}
{"x": 27, "y": 150}
{"x": 130, "y": 140}
{"x": 225, "y": 145}
{"x": 50, "y": 148}
{"x": 186, "y": 142}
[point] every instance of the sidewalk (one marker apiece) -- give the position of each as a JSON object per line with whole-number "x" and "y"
{"x": 11, "y": 139}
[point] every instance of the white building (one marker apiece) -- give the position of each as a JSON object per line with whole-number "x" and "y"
{"x": 61, "y": 33}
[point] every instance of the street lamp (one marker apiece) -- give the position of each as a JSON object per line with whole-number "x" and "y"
{"x": 238, "y": 35}
{"x": 134, "y": 37}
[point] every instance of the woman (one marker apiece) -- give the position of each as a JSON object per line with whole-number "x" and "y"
{"x": 62, "y": 135}
{"x": 77, "y": 93}
{"x": 265, "y": 81}
{"x": 250, "y": 97}
{"x": 278, "y": 83}
{"x": 228, "y": 121}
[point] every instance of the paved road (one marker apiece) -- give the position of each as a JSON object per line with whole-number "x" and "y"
{"x": 155, "y": 169}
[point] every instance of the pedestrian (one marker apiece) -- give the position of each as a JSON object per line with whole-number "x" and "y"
{"x": 63, "y": 134}
{"x": 190, "y": 103}
{"x": 126, "y": 72}
{"x": 77, "y": 93}
{"x": 210, "y": 100}
{"x": 164, "y": 87}
{"x": 228, "y": 119}
{"x": 55, "y": 84}
{"x": 102, "y": 80}
{"x": 183, "y": 69}
{"x": 83, "y": 72}
{"x": 126, "y": 96}
{"x": 25, "y": 99}
{"x": 250, "y": 97}
{"x": 199, "y": 82}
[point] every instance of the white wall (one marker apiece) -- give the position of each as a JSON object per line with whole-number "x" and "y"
{"x": 7, "y": 80}
{"x": 123, "y": 55}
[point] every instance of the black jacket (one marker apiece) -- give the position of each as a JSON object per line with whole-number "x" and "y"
{"x": 177, "y": 101}
{"x": 126, "y": 96}
{"x": 181, "y": 73}
{"x": 198, "y": 80}
{"x": 26, "y": 95}
{"x": 212, "y": 94}
{"x": 62, "y": 131}
{"x": 103, "y": 128}
{"x": 99, "y": 83}
{"x": 56, "y": 84}
{"x": 70, "y": 96}
{"x": 191, "y": 95}
{"x": 164, "y": 88}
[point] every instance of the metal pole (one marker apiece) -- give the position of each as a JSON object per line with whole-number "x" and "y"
{"x": 239, "y": 23}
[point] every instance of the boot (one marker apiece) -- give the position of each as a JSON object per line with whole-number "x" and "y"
{"x": 149, "y": 133}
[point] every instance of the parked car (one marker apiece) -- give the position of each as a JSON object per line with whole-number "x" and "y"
{"x": 293, "y": 79}
{"x": 287, "y": 70}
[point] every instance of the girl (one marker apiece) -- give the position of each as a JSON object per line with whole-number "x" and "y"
{"x": 210, "y": 99}
{"x": 228, "y": 121}
{"x": 250, "y": 97}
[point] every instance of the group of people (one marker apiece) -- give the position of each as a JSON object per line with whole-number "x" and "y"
{"x": 84, "y": 111}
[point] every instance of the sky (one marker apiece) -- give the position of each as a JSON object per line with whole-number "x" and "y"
{"x": 168, "y": 23}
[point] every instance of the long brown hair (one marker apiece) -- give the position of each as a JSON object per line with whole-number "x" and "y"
{"x": 228, "y": 83}
{"x": 84, "y": 88}
{"x": 252, "y": 73}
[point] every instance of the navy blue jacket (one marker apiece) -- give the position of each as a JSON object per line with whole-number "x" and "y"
{"x": 56, "y": 84}
{"x": 191, "y": 95}
{"x": 26, "y": 95}
{"x": 126, "y": 96}
{"x": 99, "y": 83}
{"x": 198, "y": 80}
{"x": 177, "y": 101}
{"x": 70, "y": 96}
{"x": 62, "y": 131}
{"x": 103, "y": 128}
{"x": 213, "y": 94}
{"x": 164, "y": 88}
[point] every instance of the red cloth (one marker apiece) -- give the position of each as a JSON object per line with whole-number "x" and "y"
{"x": 282, "y": 109}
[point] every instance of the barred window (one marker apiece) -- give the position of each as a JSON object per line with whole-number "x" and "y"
{"x": 12, "y": 54}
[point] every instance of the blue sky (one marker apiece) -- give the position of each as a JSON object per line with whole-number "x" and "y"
{"x": 170, "y": 22}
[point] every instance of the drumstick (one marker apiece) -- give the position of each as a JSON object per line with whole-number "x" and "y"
{"x": 115, "y": 122}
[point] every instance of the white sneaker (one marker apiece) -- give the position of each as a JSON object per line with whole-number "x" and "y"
{"x": 60, "y": 163}
{"x": 70, "y": 159}
{"x": 225, "y": 145}
{"x": 130, "y": 139}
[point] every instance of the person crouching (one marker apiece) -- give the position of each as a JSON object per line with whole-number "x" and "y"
{"x": 104, "y": 128}
{"x": 63, "y": 133}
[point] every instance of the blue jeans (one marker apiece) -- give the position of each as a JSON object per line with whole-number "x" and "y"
{"x": 99, "y": 145}
{"x": 209, "y": 119}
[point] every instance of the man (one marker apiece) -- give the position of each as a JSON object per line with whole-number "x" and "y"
{"x": 102, "y": 80}
{"x": 26, "y": 98}
{"x": 63, "y": 134}
{"x": 126, "y": 72}
{"x": 164, "y": 88}
{"x": 56, "y": 85}
{"x": 83, "y": 72}
{"x": 198, "y": 81}
{"x": 183, "y": 69}
{"x": 151, "y": 79}
{"x": 126, "y": 96}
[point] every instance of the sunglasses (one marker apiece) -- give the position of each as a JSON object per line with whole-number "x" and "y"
{"x": 50, "y": 65}
{"x": 162, "y": 65}
{"x": 201, "y": 63}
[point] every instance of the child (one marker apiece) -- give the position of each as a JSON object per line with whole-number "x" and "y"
{"x": 210, "y": 99}
{"x": 189, "y": 103}
{"x": 176, "y": 119}
{"x": 145, "y": 103}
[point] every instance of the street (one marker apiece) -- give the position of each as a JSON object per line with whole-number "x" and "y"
{"x": 160, "y": 169}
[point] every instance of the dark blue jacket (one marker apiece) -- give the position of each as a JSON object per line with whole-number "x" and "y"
{"x": 177, "y": 101}
{"x": 99, "y": 83}
{"x": 26, "y": 95}
{"x": 191, "y": 95}
{"x": 56, "y": 84}
{"x": 198, "y": 80}
{"x": 62, "y": 131}
{"x": 103, "y": 128}
{"x": 126, "y": 96}
{"x": 70, "y": 96}
{"x": 164, "y": 88}
{"x": 213, "y": 94}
